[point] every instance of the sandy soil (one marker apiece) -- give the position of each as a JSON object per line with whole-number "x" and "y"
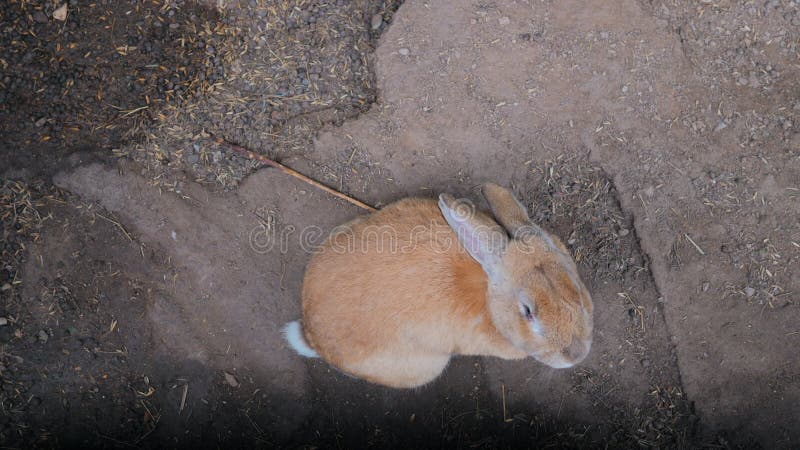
{"x": 658, "y": 139}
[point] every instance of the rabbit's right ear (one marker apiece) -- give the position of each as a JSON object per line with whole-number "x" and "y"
{"x": 482, "y": 237}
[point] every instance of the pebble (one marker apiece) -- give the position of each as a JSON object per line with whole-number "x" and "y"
{"x": 623, "y": 232}
{"x": 3, "y": 321}
{"x": 504, "y": 20}
{"x": 231, "y": 380}
{"x": 749, "y": 291}
{"x": 404, "y": 51}
{"x": 377, "y": 21}
{"x": 720, "y": 126}
{"x": 43, "y": 336}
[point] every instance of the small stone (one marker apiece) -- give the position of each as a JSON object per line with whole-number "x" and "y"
{"x": 43, "y": 336}
{"x": 60, "y": 13}
{"x": 231, "y": 380}
{"x": 40, "y": 123}
{"x": 504, "y": 21}
{"x": 749, "y": 291}
{"x": 624, "y": 89}
{"x": 720, "y": 126}
{"x": 377, "y": 21}
{"x": 3, "y": 321}
{"x": 404, "y": 51}
{"x": 645, "y": 362}
{"x": 623, "y": 232}
{"x": 706, "y": 285}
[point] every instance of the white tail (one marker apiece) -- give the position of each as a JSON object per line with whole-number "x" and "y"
{"x": 293, "y": 333}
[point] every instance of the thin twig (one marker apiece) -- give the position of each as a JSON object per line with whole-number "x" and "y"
{"x": 134, "y": 111}
{"x": 183, "y": 397}
{"x": 116, "y": 441}
{"x": 289, "y": 171}
{"x": 505, "y": 417}
{"x": 695, "y": 245}
{"x": 115, "y": 222}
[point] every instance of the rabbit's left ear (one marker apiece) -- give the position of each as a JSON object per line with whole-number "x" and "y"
{"x": 482, "y": 237}
{"x": 510, "y": 212}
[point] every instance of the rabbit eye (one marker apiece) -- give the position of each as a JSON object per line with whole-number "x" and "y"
{"x": 527, "y": 311}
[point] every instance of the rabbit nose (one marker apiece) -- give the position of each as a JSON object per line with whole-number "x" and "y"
{"x": 576, "y": 350}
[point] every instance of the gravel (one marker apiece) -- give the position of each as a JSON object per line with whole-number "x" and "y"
{"x": 376, "y": 22}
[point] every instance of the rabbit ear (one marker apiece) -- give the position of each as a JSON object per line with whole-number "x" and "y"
{"x": 483, "y": 238}
{"x": 510, "y": 212}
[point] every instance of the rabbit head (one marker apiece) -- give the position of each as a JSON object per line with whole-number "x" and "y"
{"x": 535, "y": 296}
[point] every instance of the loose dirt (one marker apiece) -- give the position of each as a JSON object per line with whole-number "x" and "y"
{"x": 146, "y": 271}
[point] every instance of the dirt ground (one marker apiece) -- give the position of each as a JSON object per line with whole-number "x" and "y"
{"x": 146, "y": 271}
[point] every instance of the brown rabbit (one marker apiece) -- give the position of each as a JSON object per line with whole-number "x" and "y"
{"x": 390, "y": 297}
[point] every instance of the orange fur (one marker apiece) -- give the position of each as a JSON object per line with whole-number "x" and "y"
{"x": 395, "y": 315}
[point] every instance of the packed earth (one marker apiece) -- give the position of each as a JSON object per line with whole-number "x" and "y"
{"x": 146, "y": 267}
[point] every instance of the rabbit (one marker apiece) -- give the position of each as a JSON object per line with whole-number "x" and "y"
{"x": 392, "y": 296}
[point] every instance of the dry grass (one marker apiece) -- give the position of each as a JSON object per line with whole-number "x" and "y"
{"x": 20, "y": 224}
{"x": 291, "y": 67}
